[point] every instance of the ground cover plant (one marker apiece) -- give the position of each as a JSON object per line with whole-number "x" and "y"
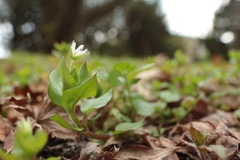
{"x": 160, "y": 109}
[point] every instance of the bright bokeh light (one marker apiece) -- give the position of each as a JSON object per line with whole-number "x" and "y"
{"x": 227, "y": 37}
{"x": 6, "y": 34}
{"x": 191, "y": 18}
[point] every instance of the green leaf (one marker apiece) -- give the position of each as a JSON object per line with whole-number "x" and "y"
{"x": 237, "y": 113}
{"x": 74, "y": 74}
{"x": 129, "y": 126}
{"x": 5, "y": 156}
{"x": 60, "y": 80}
{"x": 197, "y": 137}
{"x": 180, "y": 57}
{"x": 55, "y": 88}
{"x": 72, "y": 96}
{"x": 24, "y": 140}
{"x": 83, "y": 73}
{"x": 115, "y": 78}
{"x": 67, "y": 80}
{"x": 40, "y": 139}
{"x": 170, "y": 96}
{"x": 119, "y": 116}
{"x": 143, "y": 108}
{"x": 92, "y": 104}
{"x": 188, "y": 102}
{"x": 179, "y": 112}
{"x": 62, "y": 122}
{"x": 124, "y": 67}
{"x": 132, "y": 75}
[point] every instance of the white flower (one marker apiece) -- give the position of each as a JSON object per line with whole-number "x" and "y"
{"x": 76, "y": 54}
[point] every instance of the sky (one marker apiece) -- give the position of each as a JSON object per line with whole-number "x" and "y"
{"x": 191, "y": 18}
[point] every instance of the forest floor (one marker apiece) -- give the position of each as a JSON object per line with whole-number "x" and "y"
{"x": 189, "y": 110}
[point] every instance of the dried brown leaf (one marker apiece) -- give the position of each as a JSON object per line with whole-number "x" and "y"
{"x": 218, "y": 115}
{"x": 90, "y": 149}
{"x": 161, "y": 142}
{"x": 200, "y": 110}
{"x": 145, "y": 153}
{"x": 6, "y": 133}
{"x": 16, "y": 100}
{"x": 9, "y": 141}
{"x": 5, "y": 128}
{"x": 42, "y": 120}
{"x": 231, "y": 144}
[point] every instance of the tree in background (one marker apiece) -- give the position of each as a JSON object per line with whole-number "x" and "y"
{"x": 112, "y": 26}
{"x": 148, "y": 32}
{"x": 42, "y": 22}
{"x": 226, "y": 31}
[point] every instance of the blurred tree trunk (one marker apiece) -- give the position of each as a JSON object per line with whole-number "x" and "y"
{"x": 73, "y": 17}
{"x": 67, "y": 24}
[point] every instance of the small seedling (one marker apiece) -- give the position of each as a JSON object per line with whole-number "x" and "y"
{"x": 123, "y": 77}
{"x": 26, "y": 145}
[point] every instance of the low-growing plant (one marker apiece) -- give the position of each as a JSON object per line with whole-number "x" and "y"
{"x": 69, "y": 85}
{"x": 24, "y": 141}
{"x": 123, "y": 77}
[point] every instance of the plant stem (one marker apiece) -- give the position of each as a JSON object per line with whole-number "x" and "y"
{"x": 75, "y": 120}
{"x": 71, "y": 65}
{"x": 85, "y": 123}
{"x": 130, "y": 108}
{"x": 97, "y": 136}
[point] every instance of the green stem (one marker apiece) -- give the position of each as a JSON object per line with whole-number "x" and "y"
{"x": 75, "y": 120}
{"x": 85, "y": 126}
{"x": 121, "y": 92}
{"x": 130, "y": 108}
{"x": 71, "y": 65}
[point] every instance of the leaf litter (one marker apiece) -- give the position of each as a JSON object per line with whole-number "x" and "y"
{"x": 205, "y": 133}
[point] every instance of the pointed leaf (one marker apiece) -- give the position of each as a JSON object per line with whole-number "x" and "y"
{"x": 92, "y": 104}
{"x": 83, "y": 73}
{"x": 55, "y": 88}
{"x": 115, "y": 78}
{"x": 129, "y": 126}
{"x": 124, "y": 67}
{"x": 72, "y": 96}
{"x": 60, "y": 80}
{"x": 197, "y": 137}
{"x": 74, "y": 74}
{"x": 132, "y": 75}
{"x": 62, "y": 122}
{"x": 67, "y": 79}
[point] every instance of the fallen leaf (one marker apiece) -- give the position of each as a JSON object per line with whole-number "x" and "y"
{"x": 89, "y": 151}
{"x": 145, "y": 153}
{"x": 5, "y": 128}
{"x": 6, "y": 133}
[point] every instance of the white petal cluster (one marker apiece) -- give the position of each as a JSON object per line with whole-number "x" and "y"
{"x": 76, "y": 54}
